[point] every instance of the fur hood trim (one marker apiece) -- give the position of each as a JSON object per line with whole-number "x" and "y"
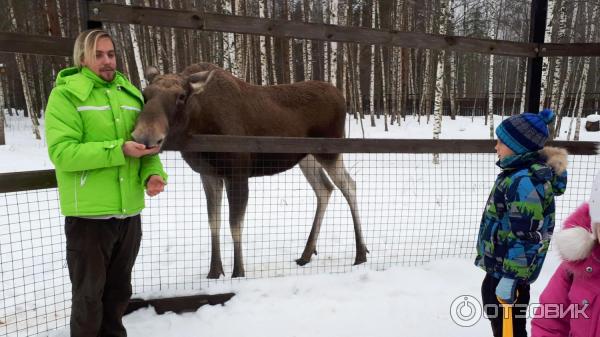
{"x": 556, "y": 157}
{"x": 575, "y": 243}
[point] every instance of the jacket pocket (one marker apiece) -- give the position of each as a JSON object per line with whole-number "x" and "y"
{"x": 584, "y": 313}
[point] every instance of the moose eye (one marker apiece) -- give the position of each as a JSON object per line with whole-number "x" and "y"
{"x": 181, "y": 97}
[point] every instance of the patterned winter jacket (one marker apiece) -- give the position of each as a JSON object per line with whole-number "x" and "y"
{"x": 518, "y": 220}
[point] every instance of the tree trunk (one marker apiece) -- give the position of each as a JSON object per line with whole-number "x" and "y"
{"x": 139, "y": 66}
{"x": 365, "y": 71}
{"x": 317, "y": 47}
{"x": 157, "y": 48}
{"x": 523, "y": 87}
{"x": 425, "y": 86}
{"x": 452, "y": 85}
{"x": 586, "y": 67}
{"x": 438, "y": 106}
{"x": 333, "y": 46}
{"x": 297, "y": 47}
{"x": 493, "y": 34}
{"x": 385, "y": 102}
{"x": 26, "y": 87}
{"x": 546, "y": 60}
{"x": 572, "y": 106}
{"x": 173, "y": 51}
{"x": 559, "y": 94}
{"x": 339, "y": 75}
{"x": 385, "y": 18}
{"x": 282, "y": 53}
{"x": 55, "y": 28}
{"x": 517, "y": 77}
{"x": 268, "y": 49}
{"x": 2, "y": 105}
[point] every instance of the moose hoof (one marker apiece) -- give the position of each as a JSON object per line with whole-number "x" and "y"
{"x": 306, "y": 255}
{"x": 237, "y": 273}
{"x": 302, "y": 261}
{"x": 360, "y": 260}
{"x": 361, "y": 257}
{"x": 215, "y": 274}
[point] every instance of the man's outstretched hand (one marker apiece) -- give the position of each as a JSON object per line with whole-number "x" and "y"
{"x": 155, "y": 185}
{"x": 137, "y": 150}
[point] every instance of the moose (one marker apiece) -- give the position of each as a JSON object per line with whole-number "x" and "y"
{"x": 205, "y": 99}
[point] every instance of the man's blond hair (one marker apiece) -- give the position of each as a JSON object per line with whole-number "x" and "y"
{"x": 85, "y": 45}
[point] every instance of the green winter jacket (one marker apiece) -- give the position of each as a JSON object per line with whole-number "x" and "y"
{"x": 87, "y": 122}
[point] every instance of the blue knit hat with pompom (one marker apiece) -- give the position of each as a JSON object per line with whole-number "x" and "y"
{"x": 526, "y": 132}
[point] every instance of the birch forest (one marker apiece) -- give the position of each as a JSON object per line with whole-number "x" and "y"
{"x": 382, "y": 84}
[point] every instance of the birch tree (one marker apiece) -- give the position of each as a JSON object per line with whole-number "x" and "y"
{"x": 439, "y": 85}
{"x": 229, "y": 44}
{"x": 2, "y": 117}
{"x": 425, "y": 86}
{"x": 136, "y": 52}
{"x": 366, "y": 63}
{"x": 524, "y": 87}
{"x": 566, "y": 83}
{"x": 546, "y": 60}
{"x": 333, "y": 46}
{"x": 558, "y": 64}
{"x": 493, "y": 34}
{"x": 24, "y": 79}
{"x": 173, "y": 44}
{"x": 586, "y": 67}
{"x": 452, "y": 85}
{"x": 573, "y": 105}
{"x": 317, "y": 47}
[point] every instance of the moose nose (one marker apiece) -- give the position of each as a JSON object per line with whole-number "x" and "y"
{"x": 141, "y": 140}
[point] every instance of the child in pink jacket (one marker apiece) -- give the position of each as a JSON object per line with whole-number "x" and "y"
{"x": 570, "y": 304}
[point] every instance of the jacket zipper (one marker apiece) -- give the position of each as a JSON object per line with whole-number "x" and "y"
{"x": 76, "y": 198}
{"x": 83, "y": 178}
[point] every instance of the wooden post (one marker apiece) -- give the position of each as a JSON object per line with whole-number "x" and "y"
{"x": 539, "y": 9}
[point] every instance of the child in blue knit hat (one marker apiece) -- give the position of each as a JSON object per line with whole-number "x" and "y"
{"x": 518, "y": 220}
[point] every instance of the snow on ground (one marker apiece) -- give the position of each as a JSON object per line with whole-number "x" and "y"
{"x": 398, "y": 301}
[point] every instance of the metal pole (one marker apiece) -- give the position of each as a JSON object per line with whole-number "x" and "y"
{"x": 537, "y": 30}
{"x": 85, "y": 17}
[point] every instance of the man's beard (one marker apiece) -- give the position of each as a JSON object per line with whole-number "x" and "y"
{"x": 104, "y": 71}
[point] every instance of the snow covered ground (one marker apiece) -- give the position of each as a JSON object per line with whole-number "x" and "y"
{"x": 385, "y": 300}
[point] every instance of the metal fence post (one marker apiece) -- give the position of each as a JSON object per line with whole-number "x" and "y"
{"x": 85, "y": 17}
{"x": 537, "y": 30}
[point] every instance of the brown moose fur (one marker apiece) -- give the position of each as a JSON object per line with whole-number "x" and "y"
{"x": 205, "y": 99}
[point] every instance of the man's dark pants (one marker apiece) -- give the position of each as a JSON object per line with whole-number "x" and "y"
{"x": 494, "y": 309}
{"x": 100, "y": 257}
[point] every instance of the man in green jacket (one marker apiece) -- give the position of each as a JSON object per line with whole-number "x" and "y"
{"x": 101, "y": 176}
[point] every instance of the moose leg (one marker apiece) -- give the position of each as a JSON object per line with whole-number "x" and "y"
{"x": 237, "y": 195}
{"x": 314, "y": 173}
{"x": 342, "y": 179}
{"x": 213, "y": 188}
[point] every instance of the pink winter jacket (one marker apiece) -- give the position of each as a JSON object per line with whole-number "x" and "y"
{"x": 576, "y": 281}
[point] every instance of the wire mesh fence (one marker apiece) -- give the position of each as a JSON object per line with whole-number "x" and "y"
{"x": 412, "y": 212}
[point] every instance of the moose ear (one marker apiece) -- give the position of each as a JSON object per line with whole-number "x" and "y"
{"x": 199, "y": 80}
{"x": 150, "y": 73}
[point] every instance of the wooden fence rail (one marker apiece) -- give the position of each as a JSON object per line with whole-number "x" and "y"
{"x": 24, "y": 181}
{"x": 114, "y": 13}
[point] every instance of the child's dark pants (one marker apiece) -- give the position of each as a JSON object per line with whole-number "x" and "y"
{"x": 493, "y": 308}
